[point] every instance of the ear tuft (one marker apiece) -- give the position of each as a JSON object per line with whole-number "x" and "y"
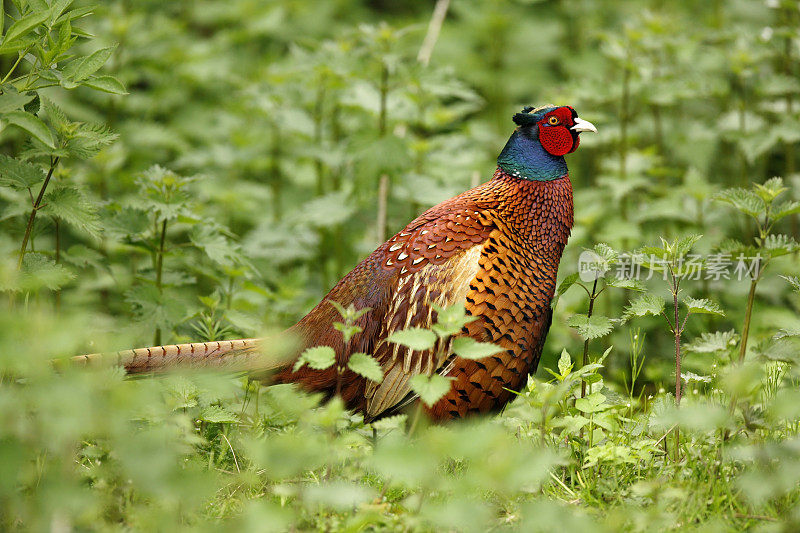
{"x": 524, "y": 118}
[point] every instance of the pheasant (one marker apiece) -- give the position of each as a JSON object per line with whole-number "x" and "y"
{"x": 494, "y": 248}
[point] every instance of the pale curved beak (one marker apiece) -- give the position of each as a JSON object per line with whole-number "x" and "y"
{"x": 583, "y": 125}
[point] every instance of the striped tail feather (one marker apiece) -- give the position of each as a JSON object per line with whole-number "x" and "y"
{"x": 235, "y": 355}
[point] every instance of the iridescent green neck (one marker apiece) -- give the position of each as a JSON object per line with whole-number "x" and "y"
{"x": 524, "y": 157}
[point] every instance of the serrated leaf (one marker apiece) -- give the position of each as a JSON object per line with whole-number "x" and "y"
{"x": 794, "y": 281}
{"x": 430, "y": 389}
{"x": 414, "y": 338}
{"x": 592, "y": 327}
{"x": 593, "y": 403}
{"x": 778, "y": 245}
{"x": 73, "y": 207}
{"x": 469, "y": 348}
{"x": 365, "y": 365}
{"x": 646, "y": 304}
{"x": 39, "y": 271}
{"x": 107, "y": 84}
{"x": 33, "y": 125}
{"x": 745, "y": 201}
{"x": 155, "y": 308}
{"x": 215, "y": 245}
{"x": 703, "y": 306}
{"x": 718, "y": 341}
{"x": 770, "y": 189}
{"x": 19, "y": 174}
{"x": 12, "y": 101}
{"x": 784, "y": 209}
{"x": 606, "y": 252}
{"x": 626, "y": 283}
{"x": 217, "y": 415}
{"x": 86, "y": 140}
{"x": 24, "y": 25}
{"x": 390, "y": 422}
{"x": 683, "y": 245}
{"x": 691, "y": 377}
{"x": 450, "y": 320}
{"x": 317, "y": 357}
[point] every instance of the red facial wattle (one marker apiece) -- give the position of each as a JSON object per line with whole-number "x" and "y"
{"x": 555, "y": 134}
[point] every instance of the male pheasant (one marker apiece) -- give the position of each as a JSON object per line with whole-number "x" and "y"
{"x": 495, "y": 249}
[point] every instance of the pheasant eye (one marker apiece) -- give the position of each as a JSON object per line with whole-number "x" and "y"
{"x": 552, "y": 120}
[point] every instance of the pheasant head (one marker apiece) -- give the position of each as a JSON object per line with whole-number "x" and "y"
{"x": 543, "y": 136}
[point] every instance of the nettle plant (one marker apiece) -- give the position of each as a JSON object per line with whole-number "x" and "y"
{"x": 761, "y": 203}
{"x": 598, "y": 272}
{"x": 672, "y": 260}
{"x": 42, "y": 137}
{"x": 162, "y": 223}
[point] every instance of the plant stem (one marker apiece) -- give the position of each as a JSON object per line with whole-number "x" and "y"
{"x": 15, "y": 65}
{"x": 747, "y": 315}
{"x": 36, "y": 205}
{"x": 434, "y": 27}
{"x": 160, "y": 271}
{"x": 586, "y": 342}
{"x": 57, "y": 230}
{"x": 677, "y": 330}
{"x": 383, "y": 184}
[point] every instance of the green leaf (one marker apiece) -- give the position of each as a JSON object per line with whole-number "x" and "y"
{"x": 770, "y": 189}
{"x": 155, "y": 308}
{"x": 80, "y": 69}
{"x": 646, "y": 304}
{"x": 794, "y": 281}
{"x": 414, "y": 338}
{"x": 683, "y": 245}
{"x": 564, "y": 363}
{"x": 349, "y": 313}
{"x": 719, "y": 341}
{"x": 784, "y": 209}
{"x": 563, "y": 287}
{"x": 778, "y": 245}
{"x": 430, "y": 389}
{"x": 450, "y": 320}
{"x": 469, "y": 348}
{"x": 73, "y": 207}
{"x": 217, "y": 415}
{"x": 18, "y": 174}
{"x": 365, "y": 365}
{"x": 39, "y": 271}
{"x": 13, "y": 101}
{"x": 745, "y": 201}
{"x": 33, "y": 125}
{"x": 215, "y": 244}
{"x": 24, "y": 25}
{"x": 606, "y": 252}
{"x": 703, "y": 306}
{"x": 108, "y": 84}
{"x": 625, "y": 283}
{"x": 87, "y": 140}
{"x": 318, "y": 358}
{"x": 593, "y": 403}
{"x": 592, "y": 327}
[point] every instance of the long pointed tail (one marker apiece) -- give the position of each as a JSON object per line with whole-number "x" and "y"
{"x": 236, "y": 355}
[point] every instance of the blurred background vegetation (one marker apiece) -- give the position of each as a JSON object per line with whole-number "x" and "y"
{"x": 211, "y": 169}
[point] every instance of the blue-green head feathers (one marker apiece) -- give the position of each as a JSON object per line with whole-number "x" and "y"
{"x": 543, "y": 136}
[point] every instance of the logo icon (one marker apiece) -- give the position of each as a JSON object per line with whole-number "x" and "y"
{"x": 591, "y": 266}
